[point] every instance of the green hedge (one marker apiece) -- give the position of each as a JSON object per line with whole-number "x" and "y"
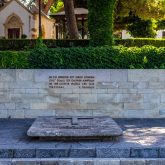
{"x": 25, "y": 44}
{"x": 14, "y": 60}
{"x": 117, "y": 57}
{"x": 139, "y": 42}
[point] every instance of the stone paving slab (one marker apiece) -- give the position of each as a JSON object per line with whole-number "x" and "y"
{"x": 135, "y": 142}
{"x": 74, "y": 128}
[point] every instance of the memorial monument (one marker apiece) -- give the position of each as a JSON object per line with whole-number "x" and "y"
{"x": 74, "y": 127}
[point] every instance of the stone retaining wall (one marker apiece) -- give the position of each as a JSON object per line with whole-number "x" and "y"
{"x": 115, "y": 93}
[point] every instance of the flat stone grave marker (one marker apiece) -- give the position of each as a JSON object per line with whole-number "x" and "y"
{"x": 74, "y": 128}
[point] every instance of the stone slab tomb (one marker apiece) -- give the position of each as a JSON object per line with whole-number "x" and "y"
{"x": 74, "y": 128}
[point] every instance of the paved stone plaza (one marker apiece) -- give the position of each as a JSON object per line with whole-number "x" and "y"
{"x": 143, "y": 138}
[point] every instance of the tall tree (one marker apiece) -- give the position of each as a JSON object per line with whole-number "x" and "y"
{"x": 71, "y": 19}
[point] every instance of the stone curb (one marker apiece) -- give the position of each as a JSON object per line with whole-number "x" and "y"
{"x": 84, "y": 153}
{"x": 79, "y": 161}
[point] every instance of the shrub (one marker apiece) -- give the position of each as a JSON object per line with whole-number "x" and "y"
{"x": 142, "y": 28}
{"x": 139, "y": 42}
{"x": 106, "y": 57}
{"x": 22, "y": 44}
{"x": 27, "y": 44}
{"x": 14, "y": 60}
{"x": 117, "y": 57}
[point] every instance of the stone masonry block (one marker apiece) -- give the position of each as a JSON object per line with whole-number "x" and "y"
{"x": 36, "y": 113}
{"x": 71, "y": 112}
{"x": 119, "y": 98}
{"x": 111, "y": 113}
{"x": 141, "y": 85}
{"x": 66, "y": 106}
{"x": 163, "y": 98}
{"x": 140, "y": 106}
{"x": 82, "y": 153}
{"x": 6, "y": 153}
{"x": 52, "y": 153}
{"x": 49, "y": 162}
{"x": 25, "y": 74}
{"x": 113, "y": 153}
{"x": 146, "y": 75}
{"x": 162, "y": 112}
{"x": 5, "y": 162}
{"x": 22, "y": 105}
{"x": 32, "y": 91}
{"x": 82, "y": 162}
{"x": 16, "y": 113}
{"x": 119, "y": 75}
{"x": 140, "y": 113}
{"x": 105, "y": 98}
{"x": 3, "y": 113}
{"x": 82, "y": 91}
{"x": 88, "y": 98}
{"x": 25, "y": 162}
{"x": 2, "y": 106}
{"x": 152, "y": 98}
{"x": 10, "y": 106}
{"x": 7, "y": 75}
{"x": 156, "y": 85}
{"x": 162, "y": 152}
{"x": 106, "y": 161}
{"x": 155, "y": 162}
{"x": 19, "y": 91}
{"x": 133, "y": 162}
{"x": 69, "y": 98}
{"x": 55, "y": 99}
{"x": 144, "y": 153}
{"x": 39, "y": 106}
{"x": 107, "y": 85}
{"x": 123, "y": 91}
{"x": 125, "y": 85}
{"x": 100, "y": 91}
{"x": 108, "y": 107}
{"x": 24, "y": 153}
{"x": 60, "y": 91}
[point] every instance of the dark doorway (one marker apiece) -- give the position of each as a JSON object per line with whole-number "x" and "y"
{"x": 14, "y": 33}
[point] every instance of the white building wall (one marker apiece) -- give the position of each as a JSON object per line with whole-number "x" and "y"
{"x": 14, "y": 7}
{"x": 48, "y": 26}
{"x": 126, "y": 35}
{"x": 160, "y": 34}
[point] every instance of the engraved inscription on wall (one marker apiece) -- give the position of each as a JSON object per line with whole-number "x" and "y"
{"x": 71, "y": 81}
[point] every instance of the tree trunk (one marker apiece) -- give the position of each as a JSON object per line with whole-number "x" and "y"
{"x": 48, "y": 6}
{"x": 71, "y": 19}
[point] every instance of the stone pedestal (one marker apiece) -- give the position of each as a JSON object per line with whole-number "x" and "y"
{"x": 75, "y": 128}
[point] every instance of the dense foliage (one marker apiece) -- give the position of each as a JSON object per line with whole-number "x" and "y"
{"x": 139, "y": 42}
{"x": 101, "y": 21}
{"x": 14, "y": 60}
{"x": 117, "y": 57}
{"x": 142, "y": 28}
{"x": 144, "y": 9}
{"x": 29, "y": 44}
{"x": 24, "y": 44}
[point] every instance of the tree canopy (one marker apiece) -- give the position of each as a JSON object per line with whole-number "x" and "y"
{"x": 142, "y": 8}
